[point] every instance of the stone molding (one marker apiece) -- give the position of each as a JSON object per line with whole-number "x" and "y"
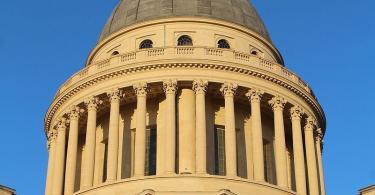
{"x": 62, "y": 98}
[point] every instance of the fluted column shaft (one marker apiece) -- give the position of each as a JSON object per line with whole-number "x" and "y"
{"x": 51, "y": 161}
{"x": 140, "y": 134}
{"x": 278, "y": 104}
{"x": 318, "y": 146}
{"x": 299, "y": 157}
{"x": 228, "y": 91}
{"x": 88, "y": 168}
{"x": 312, "y": 169}
{"x": 170, "y": 88}
{"x": 58, "y": 173}
{"x": 71, "y": 158}
{"x": 255, "y": 97}
{"x": 113, "y": 135}
{"x": 200, "y": 88}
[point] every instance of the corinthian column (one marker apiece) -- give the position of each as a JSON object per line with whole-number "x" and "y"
{"x": 88, "y": 169}
{"x": 113, "y": 135}
{"x": 141, "y": 90}
{"x": 299, "y": 156}
{"x": 278, "y": 104}
{"x": 312, "y": 169}
{"x": 318, "y": 146}
{"x": 170, "y": 88}
{"x": 200, "y": 88}
{"x": 58, "y": 172}
{"x": 228, "y": 90}
{"x": 51, "y": 161}
{"x": 71, "y": 159}
{"x": 255, "y": 96}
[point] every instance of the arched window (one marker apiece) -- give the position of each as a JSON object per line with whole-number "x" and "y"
{"x": 115, "y": 53}
{"x": 254, "y": 52}
{"x": 184, "y": 40}
{"x": 222, "y": 43}
{"x": 146, "y": 44}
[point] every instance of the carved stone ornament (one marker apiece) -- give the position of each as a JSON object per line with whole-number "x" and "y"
{"x": 93, "y": 103}
{"x": 277, "y": 103}
{"x": 255, "y": 95}
{"x": 61, "y": 124}
{"x": 170, "y": 86}
{"x": 228, "y": 89}
{"x": 296, "y": 112}
{"x": 310, "y": 123}
{"x": 141, "y": 89}
{"x": 75, "y": 113}
{"x": 200, "y": 86}
{"x": 115, "y": 94}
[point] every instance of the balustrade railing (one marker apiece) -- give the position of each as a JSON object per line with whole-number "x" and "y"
{"x": 205, "y": 53}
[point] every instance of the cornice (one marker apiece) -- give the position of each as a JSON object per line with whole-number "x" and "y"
{"x": 102, "y": 77}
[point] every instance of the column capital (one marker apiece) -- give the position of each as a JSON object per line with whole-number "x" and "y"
{"x": 200, "y": 86}
{"x": 170, "y": 86}
{"x": 93, "y": 103}
{"x": 61, "y": 124}
{"x": 296, "y": 113}
{"x": 228, "y": 89}
{"x": 254, "y": 95}
{"x": 51, "y": 137}
{"x": 310, "y": 124}
{"x": 319, "y": 135}
{"x": 277, "y": 103}
{"x": 141, "y": 89}
{"x": 75, "y": 112}
{"x": 115, "y": 94}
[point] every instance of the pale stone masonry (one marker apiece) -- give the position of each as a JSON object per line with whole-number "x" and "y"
{"x": 185, "y": 97}
{"x": 7, "y": 191}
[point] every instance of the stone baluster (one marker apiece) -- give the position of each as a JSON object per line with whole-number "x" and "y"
{"x": 299, "y": 156}
{"x": 228, "y": 90}
{"x": 170, "y": 88}
{"x": 278, "y": 104}
{"x": 312, "y": 169}
{"x": 200, "y": 88}
{"x": 92, "y": 104}
{"x": 58, "y": 173}
{"x": 113, "y": 136}
{"x": 141, "y": 90}
{"x": 255, "y": 96}
{"x": 71, "y": 157}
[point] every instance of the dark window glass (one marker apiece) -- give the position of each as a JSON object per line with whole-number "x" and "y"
{"x": 115, "y": 53}
{"x": 150, "y": 166}
{"x": 146, "y": 44}
{"x": 219, "y": 151}
{"x": 222, "y": 43}
{"x": 184, "y": 40}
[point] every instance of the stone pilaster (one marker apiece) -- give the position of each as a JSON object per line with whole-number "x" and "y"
{"x": 299, "y": 156}
{"x": 228, "y": 90}
{"x": 71, "y": 157}
{"x": 92, "y": 104}
{"x": 58, "y": 173}
{"x": 200, "y": 88}
{"x": 113, "y": 136}
{"x": 278, "y": 104}
{"x": 170, "y": 88}
{"x": 312, "y": 169}
{"x": 255, "y": 96}
{"x": 318, "y": 146}
{"x": 141, "y": 90}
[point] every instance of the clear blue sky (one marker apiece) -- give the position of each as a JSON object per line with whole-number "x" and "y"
{"x": 329, "y": 43}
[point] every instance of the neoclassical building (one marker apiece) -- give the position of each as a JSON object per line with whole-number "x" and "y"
{"x": 185, "y": 97}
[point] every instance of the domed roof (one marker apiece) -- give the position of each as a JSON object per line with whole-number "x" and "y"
{"x": 129, "y": 12}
